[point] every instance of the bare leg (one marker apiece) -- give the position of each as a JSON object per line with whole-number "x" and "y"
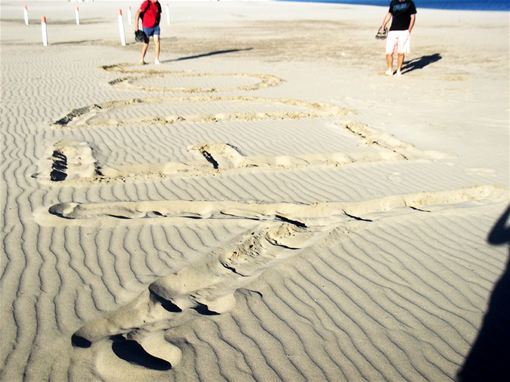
{"x": 400, "y": 61}
{"x": 157, "y": 47}
{"x": 389, "y": 64}
{"x": 389, "y": 61}
{"x": 144, "y": 52}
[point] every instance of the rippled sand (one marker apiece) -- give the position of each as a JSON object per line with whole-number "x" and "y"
{"x": 265, "y": 205}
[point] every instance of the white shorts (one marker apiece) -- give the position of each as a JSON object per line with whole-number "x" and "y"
{"x": 398, "y": 41}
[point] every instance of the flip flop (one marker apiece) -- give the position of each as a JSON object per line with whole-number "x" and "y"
{"x": 381, "y": 35}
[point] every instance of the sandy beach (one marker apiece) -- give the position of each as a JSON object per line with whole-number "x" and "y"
{"x": 265, "y": 205}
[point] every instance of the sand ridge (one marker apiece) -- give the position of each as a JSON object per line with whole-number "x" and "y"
{"x": 209, "y": 284}
{"x": 65, "y": 165}
{"x": 300, "y": 214}
{"x": 83, "y": 115}
{"x": 224, "y": 153}
{"x": 263, "y": 80}
{"x": 230, "y": 215}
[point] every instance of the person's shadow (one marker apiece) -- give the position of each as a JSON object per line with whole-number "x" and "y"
{"x": 208, "y": 54}
{"x": 489, "y": 357}
{"x": 420, "y": 63}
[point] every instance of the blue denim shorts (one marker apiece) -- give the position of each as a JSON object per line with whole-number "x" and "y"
{"x": 154, "y": 31}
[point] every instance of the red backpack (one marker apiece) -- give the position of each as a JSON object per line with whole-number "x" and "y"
{"x": 158, "y": 16}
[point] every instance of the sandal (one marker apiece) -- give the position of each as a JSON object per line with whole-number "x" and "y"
{"x": 381, "y": 35}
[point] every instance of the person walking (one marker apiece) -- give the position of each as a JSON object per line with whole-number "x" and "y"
{"x": 402, "y": 14}
{"x": 150, "y": 13}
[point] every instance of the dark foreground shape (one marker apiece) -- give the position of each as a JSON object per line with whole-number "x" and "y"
{"x": 489, "y": 358}
{"x": 208, "y": 54}
{"x": 204, "y": 310}
{"x": 167, "y": 304}
{"x": 420, "y": 63}
{"x": 132, "y": 352}
{"x": 80, "y": 342}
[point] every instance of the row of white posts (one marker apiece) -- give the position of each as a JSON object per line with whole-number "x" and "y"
{"x": 122, "y": 33}
{"x": 44, "y": 28}
{"x": 76, "y": 15}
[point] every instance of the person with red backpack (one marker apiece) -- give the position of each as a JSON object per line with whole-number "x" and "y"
{"x": 150, "y": 13}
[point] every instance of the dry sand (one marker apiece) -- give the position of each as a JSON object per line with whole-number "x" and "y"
{"x": 266, "y": 205}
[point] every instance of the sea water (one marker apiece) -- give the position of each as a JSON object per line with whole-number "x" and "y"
{"x": 478, "y": 5}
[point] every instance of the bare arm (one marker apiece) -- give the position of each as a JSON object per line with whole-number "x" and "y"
{"x": 137, "y": 16}
{"x": 386, "y": 20}
{"x": 411, "y": 24}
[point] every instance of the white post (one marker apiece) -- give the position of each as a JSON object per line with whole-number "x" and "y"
{"x": 44, "y": 31}
{"x": 129, "y": 16}
{"x": 167, "y": 11}
{"x": 121, "y": 29}
{"x": 25, "y": 14}
{"x": 77, "y": 14}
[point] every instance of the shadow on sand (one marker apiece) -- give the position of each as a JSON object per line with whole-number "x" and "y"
{"x": 489, "y": 358}
{"x": 208, "y": 54}
{"x": 420, "y": 63}
{"x": 132, "y": 352}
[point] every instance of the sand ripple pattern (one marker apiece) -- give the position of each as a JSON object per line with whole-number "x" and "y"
{"x": 213, "y": 284}
{"x": 167, "y": 250}
{"x": 208, "y": 286}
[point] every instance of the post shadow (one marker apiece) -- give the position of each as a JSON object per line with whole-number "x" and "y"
{"x": 420, "y": 63}
{"x": 213, "y": 53}
{"x": 489, "y": 357}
